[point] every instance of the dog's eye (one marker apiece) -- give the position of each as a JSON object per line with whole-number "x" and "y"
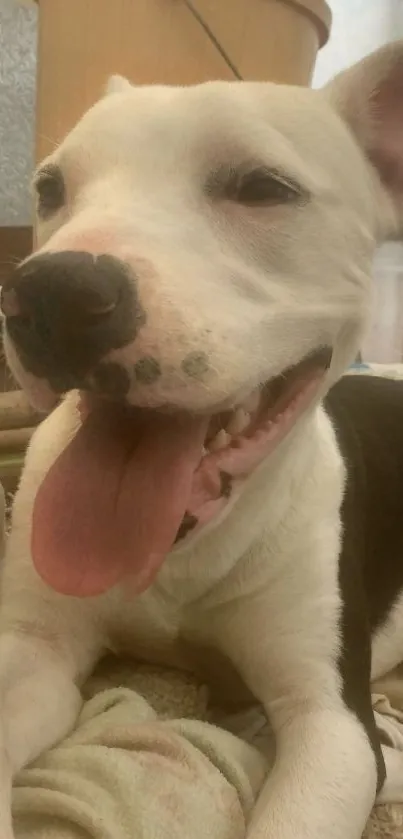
{"x": 264, "y": 187}
{"x": 50, "y": 190}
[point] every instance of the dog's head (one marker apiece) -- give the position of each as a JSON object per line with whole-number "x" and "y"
{"x": 205, "y": 257}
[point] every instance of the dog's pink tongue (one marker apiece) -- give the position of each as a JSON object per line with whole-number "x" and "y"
{"x": 111, "y": 504}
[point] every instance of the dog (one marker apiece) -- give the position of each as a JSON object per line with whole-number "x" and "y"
{"x": 203, "y": 492}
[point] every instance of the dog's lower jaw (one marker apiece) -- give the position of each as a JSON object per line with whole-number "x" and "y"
{"x": 221, "y": 475}
{"x": 38, "y": 391}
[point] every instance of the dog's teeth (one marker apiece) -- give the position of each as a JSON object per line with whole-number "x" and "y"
{"x": 252, "y": 403}
{"x": 238, "y": 422}
{"x": 220, "y": 441}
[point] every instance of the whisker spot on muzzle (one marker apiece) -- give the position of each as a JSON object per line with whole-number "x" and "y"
{"x": 147, "y": 370}
{"x": 195, "y": 365}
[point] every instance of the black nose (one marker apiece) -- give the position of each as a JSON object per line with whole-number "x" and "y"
{"x": 64, "y": 311}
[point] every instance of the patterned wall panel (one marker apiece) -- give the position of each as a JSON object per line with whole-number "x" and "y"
{"x": 17, "y": 96}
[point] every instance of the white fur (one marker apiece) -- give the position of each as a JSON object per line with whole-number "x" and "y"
{"x": 255, "y": 291}
{"x": 117, "y": 84}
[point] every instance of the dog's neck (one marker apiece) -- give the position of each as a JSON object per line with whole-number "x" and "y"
{"x": 262, "y": 507}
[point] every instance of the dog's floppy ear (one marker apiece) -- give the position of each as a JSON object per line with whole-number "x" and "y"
{"x": 369, "y": 96}
{"x": 117, "y": 84}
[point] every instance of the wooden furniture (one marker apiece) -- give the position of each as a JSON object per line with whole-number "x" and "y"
{"x": 15, "y": 245}
{"x": 81, "y": 42}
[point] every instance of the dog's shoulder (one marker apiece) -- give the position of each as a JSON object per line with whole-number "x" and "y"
{"x": 367, "y": 415}
{"x": 370, "y": 401}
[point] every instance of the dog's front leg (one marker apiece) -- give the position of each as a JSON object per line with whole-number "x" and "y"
{"x": 285, "y": 637}
{"x": 323, "y": 782}
{"x": 39, "y": 703}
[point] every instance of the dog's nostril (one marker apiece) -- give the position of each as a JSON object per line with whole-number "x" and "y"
{"x": 90, "y": 296}
{"x": 9, "y": 302}
{"x": 102, "y": 309}
{"x": 94, "y": 306}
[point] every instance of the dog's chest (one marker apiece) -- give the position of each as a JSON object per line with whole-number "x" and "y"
{"x": 148, "y": 628}
{"x": 158, "y": 631}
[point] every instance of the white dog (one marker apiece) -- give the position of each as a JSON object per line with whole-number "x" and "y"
{"x": 203, "y": 278}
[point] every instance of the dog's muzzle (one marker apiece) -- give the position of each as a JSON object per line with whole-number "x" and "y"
{"x": 65, "y": 311}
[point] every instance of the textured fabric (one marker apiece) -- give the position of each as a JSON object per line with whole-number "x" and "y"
{"x": 17, "y": 110}
{"x": 144, "y": 763}
{"x": 390, "y": 371}
{"x": 129, "y": 772}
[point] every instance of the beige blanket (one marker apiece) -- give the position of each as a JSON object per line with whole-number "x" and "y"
{"x": 141, "y": 764}
{"x": 145, "y": 763}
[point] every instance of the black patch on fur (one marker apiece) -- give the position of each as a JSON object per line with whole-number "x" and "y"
{"x": 195, "y": 365}
{"x": 226, "y": 484}
{"x": 367, "y": 413}
{"x": 188, "y": 523}
{"x": 74, "y": 309}
{"x": 147, "y": 370}
{"x": 111, "y": 379}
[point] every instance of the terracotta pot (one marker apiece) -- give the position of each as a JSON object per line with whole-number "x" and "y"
{"x": 81, "y": 42}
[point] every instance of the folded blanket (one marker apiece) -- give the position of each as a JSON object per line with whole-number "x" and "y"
{"x": 138, "y": 768}
{"x": 144, "y": 763}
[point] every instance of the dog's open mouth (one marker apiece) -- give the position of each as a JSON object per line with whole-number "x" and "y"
{"x": 134, "y": 482}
